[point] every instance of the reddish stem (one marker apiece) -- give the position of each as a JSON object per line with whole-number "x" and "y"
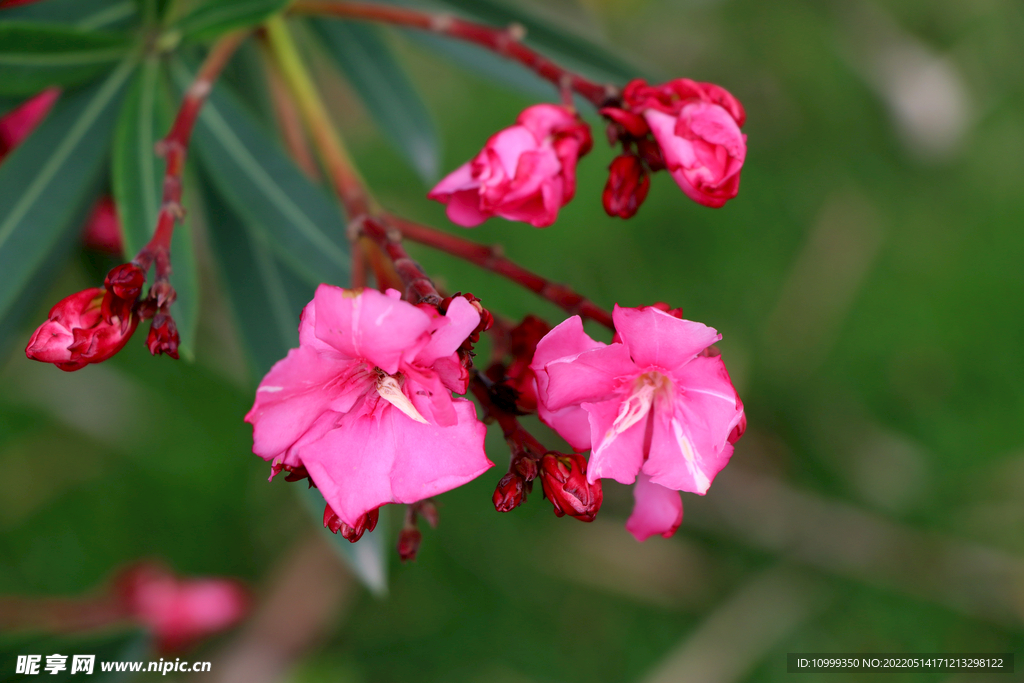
{"x": 418, "y": 287}
{"x": 490, "y": 258}
{"x": 174, "y": 149}
{"x": 505, "y": 42}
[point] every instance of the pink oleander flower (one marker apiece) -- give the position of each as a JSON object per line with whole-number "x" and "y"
{"x": 16, "y": 125}
{"x": 180, "y": 611}
{"x": 657, "y": 403}
{"x": 77, "y": 332}
{"x": 365, "y": 403}
{"x": 524, "y": 173}
{"x": 697, "y": 127}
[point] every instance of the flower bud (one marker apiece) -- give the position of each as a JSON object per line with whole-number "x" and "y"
{"x": 564, "y": 478}
{"x": 510, "y": 492}
{"x": 366, "y": 522}
{"x": 125, "y": 281}
{"x": 627, "y": 186}
{"x": 75, "y": 333}
{"x": 409, "y": 543}
{"x": 163, "y": 336}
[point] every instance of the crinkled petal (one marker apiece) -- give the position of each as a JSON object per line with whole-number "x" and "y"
{"x": 307, "y": 329}
{"x": 572, "y": 423}
{"x": 593, "y": 375}
{"x": 543, "y": 119}
{"x": 657, "y": 510}
{"x": 369, "y": 325}
{"x": 431, "y": 460}
{"x": 615, "y": 455}
{"x": 464, "y": 209}
{"x": 296, "y": 391}
{"x": 430, "y": 397}
{"x": 386, "y": 457}
{"x": 449, "y": 331}
{"x": 690, "y": 440}
{"x": 458, "y": 180}
{"x": 656, "y": 338}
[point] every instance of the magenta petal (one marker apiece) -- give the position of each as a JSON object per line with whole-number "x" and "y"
{"x": 430, "y": 460}
{"x": 614, "y": 456}
{"x": 369, "y": 325}
{"x": 431, "y": 398}
{"x": 307, "y": 329}
{"x": 572, "y": 423}
{"x": 690, "y": 442}
{"x": 657, "y": 510}
{"x": 352, "y": 464}
{"x": 590, "y": 376}
{"x": 456, "y": 181}
{"x": 295, "y": 392}
{"x": 449, "y": 331}
{"x": 543, "y": 119}
{"x": 659, "y": 339}
{"x": 464, "y": 209}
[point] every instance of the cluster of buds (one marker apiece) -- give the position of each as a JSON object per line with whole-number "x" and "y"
{"x": 365, "y": 522}
{"x": 690, "y": 128}
{"x": 564, "y": 477}
{"x": 92, "y": 325}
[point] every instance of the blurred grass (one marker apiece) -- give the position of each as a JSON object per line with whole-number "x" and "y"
{"x": 897, "y": 391}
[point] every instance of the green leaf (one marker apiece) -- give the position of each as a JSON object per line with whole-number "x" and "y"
{"x": 368, "y": 557}
{"x": 84, "y": 14}
{"x": 214, "y": 18}
{"x": 381, "y": 82}
{"x": 34, "y": 56}
{"x": 9, "y": 103}
{"x": 137, "y": 179}
{"x": 267, "y": 297}
{"x": 587, "y": 56}
{"x": 108, "y": 646}
{"x": 267, "y": 190}
{"x": 46, "y": 182}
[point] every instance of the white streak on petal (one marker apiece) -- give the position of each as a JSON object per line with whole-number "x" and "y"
{"x": 699, "y": 478}
{"x": 270, "y": 389}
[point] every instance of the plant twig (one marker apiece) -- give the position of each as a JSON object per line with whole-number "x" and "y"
{"x": 506, "y": 42}
{"x": 174, "y": 149}
{"x": 490, "y": 258}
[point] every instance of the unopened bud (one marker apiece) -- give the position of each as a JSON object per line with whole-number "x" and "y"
{"x": 409, "y": 543}
{"x": 125, "y": 281}
{"x": 650, "y": 152}
{"x": 564, "y": 478}
{"x": 627, "y": 186}
{"x": 366, "y": 522}
{"x": 510, "y": 492}
{"x": 428, "y": 511}
{"x": 76, "y": 334}
{"x": 163, "y": 336}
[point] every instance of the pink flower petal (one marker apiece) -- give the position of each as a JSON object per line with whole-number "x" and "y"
{"x": 369, "y": 325}
{"x": 615, "y": 456}
{"x": 655, "y": 338}
{"x": 657, "y": 510}
{"x": 589, "y": 376}
{"x": 449, "y": 331}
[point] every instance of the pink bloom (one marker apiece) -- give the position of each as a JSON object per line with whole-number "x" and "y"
{"x": 652, "y": 403}
{"x": 16, "y": 125}
{"x": 658, "y": 510}
{"x": 697, "y": 126}
{"x": 365, "y": 403}
{"x": 524, "y": 173}
{"x": 77, "y": 333}
{"x": 180, "y": 612}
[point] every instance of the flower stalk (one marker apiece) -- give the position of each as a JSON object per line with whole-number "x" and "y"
{"x": 506, "y": 42}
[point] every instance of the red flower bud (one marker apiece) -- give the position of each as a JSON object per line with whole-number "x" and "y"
{"x": 125, "y": 281}
{"x": 163, "y": 336}
{"x": 627, "y": 186}
{"x": 510, "y": 492}
{"x": 564, "y": 478}
{"x": 366, "y": 522}
{"x": 409, "y": 543}
{"x": 651, "y": 154}
{"x": 76, "y": 334}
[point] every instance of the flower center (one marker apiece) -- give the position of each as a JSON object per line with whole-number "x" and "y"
{"x": 391, "y": 391}
{"x": 638, "y": 403}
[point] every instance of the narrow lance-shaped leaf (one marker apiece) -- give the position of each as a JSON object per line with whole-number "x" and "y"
{"x": 47, "y": 181}
{"x": 216, "y": 17}
{"x": 137, "y": 179}
{"x": 267, "y": 298}
{"x": 267, "y": 190}
{"x": 594, "y": 60}
{"x": 83, "y": 14}
{"x": 381, "y": 83}
{"x": 34, "y": 56}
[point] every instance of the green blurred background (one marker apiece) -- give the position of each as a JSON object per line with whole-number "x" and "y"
{"x": 867, "y": 282}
